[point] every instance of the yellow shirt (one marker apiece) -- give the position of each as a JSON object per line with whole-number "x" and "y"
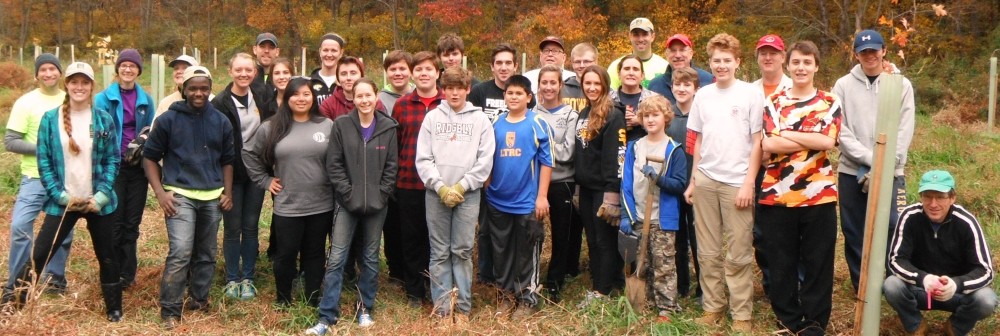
{"x": 25, "y": 117}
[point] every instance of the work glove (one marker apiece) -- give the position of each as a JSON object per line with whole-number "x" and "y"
{"x": 443, "y": 194}
{"x": 931, "y": 284}
{"x": 946, "y": 289}
{"x": 864, "y": 178}
{"x": 625, "y": 226}
{"x": 457, "y": 195}
{"x": 576, "y": 198}
{"x": 650, "y": 172}
{"x": 610, "y": 210}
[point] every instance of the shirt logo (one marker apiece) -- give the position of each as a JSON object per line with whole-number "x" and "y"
{"x": 453, "y": 132}
{"x": 510, "y": 151}
{"x": 319, "y": 137}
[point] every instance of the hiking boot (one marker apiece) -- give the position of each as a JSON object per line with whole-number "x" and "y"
{"x": 247, "y": 290}
{"x": 318, "y": 329}
{"x": 742, "y": 326}
{"x": 232, "y": 290}
{"x": 171, "y": 322}
{"x": 709, "y": 319}
{"x": 112, "y": 293}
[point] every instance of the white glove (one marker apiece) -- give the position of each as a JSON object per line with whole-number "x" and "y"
{"x": 946, "y": 289}
{"x": 931, "y": 284}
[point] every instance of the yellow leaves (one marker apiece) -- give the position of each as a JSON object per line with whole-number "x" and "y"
{"x": 895, "y": 2}
{"x": 939, "y": 10}
{"x": 882, "y": 21}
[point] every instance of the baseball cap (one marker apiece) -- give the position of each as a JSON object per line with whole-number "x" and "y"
{"x": 641, "y": 23}
{"x": 267, "y": 37}
{"x": 937, "y": 180}
{"x": 80, "y": 68}
{"x": 196, "y": 71}
{"x": 551, "y": 39}
{"x": 682, "y": 38}
{"x": 184, "y": 58}
{"x": 771, "y": 40}
{"x": 868, "y": 39}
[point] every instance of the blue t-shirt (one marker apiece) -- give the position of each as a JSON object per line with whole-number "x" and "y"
{"x": 522, "y": 148}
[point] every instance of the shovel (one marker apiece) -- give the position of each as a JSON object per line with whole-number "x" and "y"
{"x": 635, "y": 281}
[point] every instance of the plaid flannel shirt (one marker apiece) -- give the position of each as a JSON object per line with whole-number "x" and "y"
{"x": 409, "y": 112}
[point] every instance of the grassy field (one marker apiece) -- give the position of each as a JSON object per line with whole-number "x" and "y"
{"x": 965, "y": 150}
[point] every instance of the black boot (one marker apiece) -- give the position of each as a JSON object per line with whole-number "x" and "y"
{"x": 113, "y": 300}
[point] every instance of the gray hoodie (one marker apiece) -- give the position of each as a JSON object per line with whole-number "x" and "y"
{"x": 857, "y": 134}
{"x": 455, "y": 147}
{"x": 563, "y": 123}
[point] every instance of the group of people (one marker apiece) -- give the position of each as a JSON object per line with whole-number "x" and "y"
{"x": 439, "y": 163}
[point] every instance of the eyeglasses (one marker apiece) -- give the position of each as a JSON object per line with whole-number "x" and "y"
{"x": 552, "y": 51}
{"x": 583, "y": 62}
{"x": 128, "y": 66}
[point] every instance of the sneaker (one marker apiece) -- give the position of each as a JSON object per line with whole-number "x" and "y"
{"x": 365, "y": 320}
{"x": 663, "y": 316}
{"x": 233, "y": 290}
{"x": 247, "y": 290}
{"x": 709, "y": 319}
{"x": 742, "y": 326}
{"x": 171, "y": 322}
{"x": 318, "y": 329}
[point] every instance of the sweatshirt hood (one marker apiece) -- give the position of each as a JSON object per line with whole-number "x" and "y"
{"x": 444, "y": 107}
{"x": 182, "y": 106}
{"x": 859, "y": 74}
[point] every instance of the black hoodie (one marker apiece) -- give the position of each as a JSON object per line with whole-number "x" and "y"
{"x": 363, "y": 173}
{"x": 193, "y": 144}
{"x": 224, "y": 103}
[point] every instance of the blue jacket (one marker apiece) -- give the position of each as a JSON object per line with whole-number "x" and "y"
{"x": 672, "y": 184}
{"x": 193, "y": 144}
{"x": 111, "y": 100}
{"x": 664, "y": 83}
{"x": 52, "y": 166}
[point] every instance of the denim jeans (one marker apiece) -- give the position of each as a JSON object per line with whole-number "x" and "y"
{"x": 192, "y": 234}
{"x": 346, "y": 225}
{"x": 452, "y": 232}
{"x": 967, "y": 309}
{"x": 131, "y": 186}
{"x": 31, "y": 198}
{"x": 853, "y": 205}
{"x": 239, "y": 236}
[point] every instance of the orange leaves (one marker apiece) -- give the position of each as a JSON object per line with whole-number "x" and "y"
{"x": 449, "y": 13}
{"x": 882, "y": 21}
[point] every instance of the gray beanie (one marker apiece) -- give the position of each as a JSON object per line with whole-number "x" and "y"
{"x": 47, "y": 58}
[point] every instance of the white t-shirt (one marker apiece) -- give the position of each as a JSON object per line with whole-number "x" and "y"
{"x": 727, "y": 119}
{"x": 330, "y": 81}
{"x": 78, "y": 168}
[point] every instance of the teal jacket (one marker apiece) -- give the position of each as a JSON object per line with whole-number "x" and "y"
{"x": 110, "y": 100}
{"x": 52, "y": 167}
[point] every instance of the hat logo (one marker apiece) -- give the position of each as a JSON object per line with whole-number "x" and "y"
{"x": 769, "y": 39}
{"x": 866, "y": 37}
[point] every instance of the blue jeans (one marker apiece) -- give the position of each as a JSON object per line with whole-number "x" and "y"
{"x": 192, "y": 234}
{"x": 344, "y": 229}
{"x": 452, "y": 233}
{"x": 967, "y": 309}
{"x": 853, "y": 205}
{"x": 239, "y": 236}
{"x": 31, "y": 198}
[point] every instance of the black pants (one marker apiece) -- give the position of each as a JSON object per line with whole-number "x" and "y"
{"x": 566, "y": 232}
{"x": 686, "y": 238}
{"x": 606, "y": 265}
{"x": 803, "y": 236}
{"x": 100, "y": 233}
{"x": 131, "y": 187}
{"x": 393, "y": 240}
{"x": 416, "y": 247}
{"x": 303, "y": 237}
{"x": 516, "y": 244}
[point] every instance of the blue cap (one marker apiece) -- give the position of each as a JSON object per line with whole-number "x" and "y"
{"x": 868, "y": 39}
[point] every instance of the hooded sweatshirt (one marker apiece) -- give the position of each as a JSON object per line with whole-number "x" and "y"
{"x": 194, "y": 144}
{"x": 455, "y": 147}
{"x": 319, "y": 85}
{"x": 562, "y": 120}
{"x": 363, "y": 172}
{"x": 859, "y": 99}
{"x": 337, "y": 104}
{"x": 388, "y": 97}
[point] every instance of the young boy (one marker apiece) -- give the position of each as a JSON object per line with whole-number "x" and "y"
{"x": 451, "y": 51}
{"x": 397, "y": 70}
{"x": 727, "y": 118}
{"x": 517, "y": 199}
{"x": 454, "y": 157}
{"x": 684, "y": 83}
{"x": 670, "y": 178}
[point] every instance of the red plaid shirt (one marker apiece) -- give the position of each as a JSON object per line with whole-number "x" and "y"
{"x": 409, "y": 112}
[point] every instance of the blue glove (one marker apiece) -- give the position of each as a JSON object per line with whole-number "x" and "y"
{"x": 650, "y": 172}
{"x": 625, "y": 225}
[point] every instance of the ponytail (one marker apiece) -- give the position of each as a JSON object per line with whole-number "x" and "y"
{"x": 68, "y": 127}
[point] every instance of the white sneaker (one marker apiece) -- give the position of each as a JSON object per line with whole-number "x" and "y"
{"x": 318, "y": 329}
{"x": 365, "y": 320}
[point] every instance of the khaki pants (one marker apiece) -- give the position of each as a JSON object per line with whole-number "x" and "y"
{"x": 721, "y": 227}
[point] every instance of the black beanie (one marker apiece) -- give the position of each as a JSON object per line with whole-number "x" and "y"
{"x": 47, "y": 58}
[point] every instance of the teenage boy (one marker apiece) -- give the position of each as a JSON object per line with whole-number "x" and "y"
{"x": 939, "y": 252}
{"x": 397, "y": 69}
{"x": 324, "y": 78}
{"x": 489, "y": 95}
{"x": 726, "y": 116}
{"x": 582, "y": 56}
{"x": 190, "y": 195}
{"x": 680, "y": 51}
{"x": 454, "y": 157}
{"x": 858, "y": 91}
{"x": 451, "y": 51}
{"x": 685, "y": 81}
{"x": 517, "y": 198}
{"x": 641, "y": 36}
{"x": 21, "y": 138}
{"x": 797, "y": 215}
{"x": 265, "y": 50}
{"x": 550, "y": 52}
{"x": 409, "y": 112}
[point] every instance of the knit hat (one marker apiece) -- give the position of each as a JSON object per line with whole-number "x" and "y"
{"x": 129, "y": 55}
{"x": 47, "y": 58}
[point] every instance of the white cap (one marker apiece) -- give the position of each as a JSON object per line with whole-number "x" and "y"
{"x": 184, "y": 58}
{"x": 79, "y": 68}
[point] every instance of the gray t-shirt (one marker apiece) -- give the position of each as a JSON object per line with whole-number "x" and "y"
{"x": 300, "y": 164}
{"x": 644, "y": 148}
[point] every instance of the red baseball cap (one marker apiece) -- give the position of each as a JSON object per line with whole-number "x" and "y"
{"x": 680, "y": 37}
{"x": 771, "y": 40}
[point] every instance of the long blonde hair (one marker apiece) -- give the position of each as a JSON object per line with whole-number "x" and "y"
{"x": 599, "y": 108}
{"x": 74, "y": 148}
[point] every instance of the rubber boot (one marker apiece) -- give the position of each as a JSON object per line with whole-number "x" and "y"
{"x": 113, "y": 300}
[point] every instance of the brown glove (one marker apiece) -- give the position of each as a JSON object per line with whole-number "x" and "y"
{"x": 610, "y": 210}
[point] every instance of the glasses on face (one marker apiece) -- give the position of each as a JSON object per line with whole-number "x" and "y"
{"x": 552, "y": 51}
{"x": 128, "y": 66}
{"x": 583, "y": 62}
